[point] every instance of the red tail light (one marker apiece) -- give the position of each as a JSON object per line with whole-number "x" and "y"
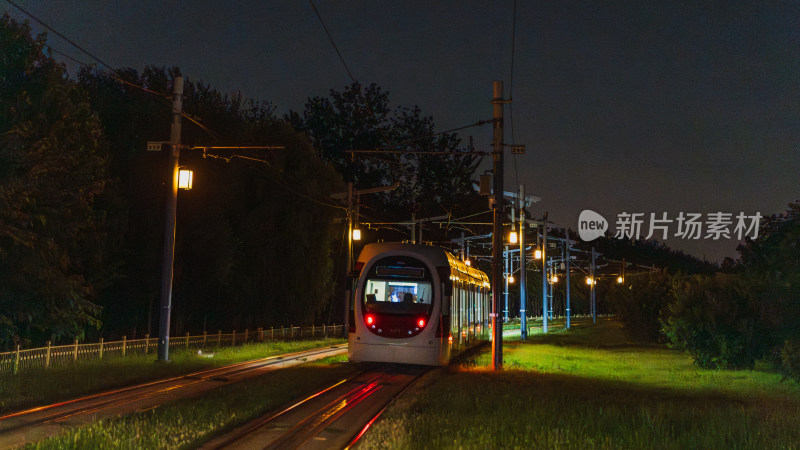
{"x": 369, "y": 319}
{"x": 421, "y": 323}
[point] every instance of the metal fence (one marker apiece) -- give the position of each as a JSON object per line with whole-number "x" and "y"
{"x": 53, "y": 355}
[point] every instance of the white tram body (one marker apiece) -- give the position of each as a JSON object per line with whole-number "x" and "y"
{"x": 412, "y": 304}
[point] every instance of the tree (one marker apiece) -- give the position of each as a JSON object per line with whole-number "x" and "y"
{"x": 54, "y": 242}
{"x": 361, "y": 118}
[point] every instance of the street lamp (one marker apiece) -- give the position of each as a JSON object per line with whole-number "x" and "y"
{"x": 356, "y": 234}
{"x": 185, "y": 179}
{"x": 590, "y": 281}
{"x": 537, "y": 254}
{"x": 512, "y": 237}
{"x": 620, "y": 280}
{"x": 511, "y": 279}
{"x": 555, "y": 279}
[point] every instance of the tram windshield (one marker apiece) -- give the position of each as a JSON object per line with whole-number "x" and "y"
{"x": 398, "y": 285}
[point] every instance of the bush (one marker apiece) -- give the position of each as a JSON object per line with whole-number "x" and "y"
{"x": 640, "y": 301}
{"x": 790, "y": 359}
{"x": 716, "y": 321}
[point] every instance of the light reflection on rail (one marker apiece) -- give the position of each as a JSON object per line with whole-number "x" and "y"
{"x": 133, "y": 393}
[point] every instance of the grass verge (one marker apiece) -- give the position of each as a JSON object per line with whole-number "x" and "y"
{"x": 592, "y": 387}
{"x": 190, "y": 422}
{"x": 38, "y": 386}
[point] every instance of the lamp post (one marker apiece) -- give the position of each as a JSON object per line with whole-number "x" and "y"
{"x": 523, "y": 279}
{"x": 169, "y": 225}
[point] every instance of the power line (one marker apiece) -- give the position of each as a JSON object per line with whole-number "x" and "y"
{"x": 58, "y": 34}
{"x": 478, "y": 123}
{"x": 111, "y": 73}
{"x": 81, "y": 63}
{"x": 341, "y": 58}
{"x": 350, "y": 74}
{"x": 274, "y": 180}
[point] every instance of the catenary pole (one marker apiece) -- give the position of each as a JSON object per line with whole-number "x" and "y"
{"x": 594, "y": 282}
{"x": 497, "y": 233}
{"x": 567, "y": 280}
{"x": 544, "y": 274}
{"x": 507, "y": 262}
{"x": 170, "y": 221}
{"x": 523, "y": 287}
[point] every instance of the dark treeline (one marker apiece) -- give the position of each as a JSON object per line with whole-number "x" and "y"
{"x": 251, "y": 215}
{"x": 258, "y": 242}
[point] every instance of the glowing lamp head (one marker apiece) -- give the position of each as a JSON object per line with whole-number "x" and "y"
{"x": 537, "y": 254}
{"x": 555, "y": 278}
{"x": 620, "y": 280}
{"x": 512, "y": 237}
{"x": 356, "y": 234}
{"x": 511, "y": 279}
{"x": 468, "y": 262}
{"x": 185, "y": 179}
{"x": 589, "y": 280}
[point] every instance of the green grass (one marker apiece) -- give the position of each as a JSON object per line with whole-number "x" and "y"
{"x": 39, "y": 386}
{"x": 190, "y": 422}
{"x": 592, "y": 387}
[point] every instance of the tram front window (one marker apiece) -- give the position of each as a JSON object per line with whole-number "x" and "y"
{"x": 397, "y": 297}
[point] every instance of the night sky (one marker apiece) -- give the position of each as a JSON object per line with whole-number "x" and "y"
{"x": 623, "y": 106}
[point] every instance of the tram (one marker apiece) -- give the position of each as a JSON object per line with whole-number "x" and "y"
{"x": 414, "y": 304}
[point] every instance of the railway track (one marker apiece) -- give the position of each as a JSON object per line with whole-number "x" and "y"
{"x": 38, "y": 423}
{"x": 334, "y": 417}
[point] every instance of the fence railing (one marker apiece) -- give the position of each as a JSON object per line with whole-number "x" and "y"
{"x": 52, "y": 355}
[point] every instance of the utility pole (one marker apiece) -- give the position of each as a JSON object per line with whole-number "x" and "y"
{"x": 348, "y": 287}
{"x": 523, "y": 287}
{"x": 169, "y": 227}
{"x": 349, "y": 200}
{"x": 497, "y": 229}
{"x": 567, "y": 278}
{"x": 544, "y": 274}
